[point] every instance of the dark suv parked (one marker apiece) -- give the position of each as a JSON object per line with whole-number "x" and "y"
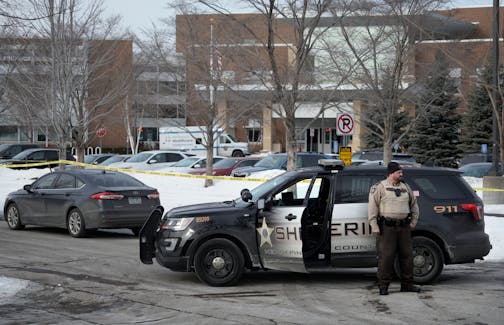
{"x": 36, "y": 155}
{"x": 7, "y": 151}
{"x": 312, "y": 219}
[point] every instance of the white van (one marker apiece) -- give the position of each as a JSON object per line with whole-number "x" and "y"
{"x": 191, "y": 139}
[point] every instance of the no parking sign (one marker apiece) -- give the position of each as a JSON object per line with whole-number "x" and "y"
{"x": 345, "y": 124}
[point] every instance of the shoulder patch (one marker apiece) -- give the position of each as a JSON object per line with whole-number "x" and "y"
{"x": 373, "y": 188}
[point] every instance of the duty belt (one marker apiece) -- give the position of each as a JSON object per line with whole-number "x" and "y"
{"x": 395, "y": 222}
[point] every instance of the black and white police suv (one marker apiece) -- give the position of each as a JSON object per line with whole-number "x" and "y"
{"x": 312, "y": 219}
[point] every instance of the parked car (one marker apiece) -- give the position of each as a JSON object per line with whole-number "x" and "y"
{"x": 279, "y": 161}
{"x": 226, "y": 166}
{"x": 314, "y": 219}
{"x": 403, "y": 163}
{"x": 151, "y": 160}
{"x": 96, "y": 159}
{"x": 80, "y": 200}
{"x": 475, "y": 158}
{"x": 188, "y": 164}
{"x": 479, "y": 170}
{"x": 7, "y": 151}
{"x": 37, "y": 155}
{"x": 378, "y": 155}
{"x": 114, "y": 159}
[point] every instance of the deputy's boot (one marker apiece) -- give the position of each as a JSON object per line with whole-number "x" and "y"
{"x": 383, "y": 291}
{"x": 409, "y": 288}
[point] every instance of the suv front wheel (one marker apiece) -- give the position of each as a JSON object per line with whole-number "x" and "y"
{"x": 428, "y": 260}
{"x": 219, "y": 262}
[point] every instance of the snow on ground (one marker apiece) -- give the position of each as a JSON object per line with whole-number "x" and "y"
{"x": 9, "y": 286}
{"x": 178, "y": 191}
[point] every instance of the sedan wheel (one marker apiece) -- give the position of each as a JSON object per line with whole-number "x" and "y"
{"x": 75, "y": 224}
{"x": 13, "y": 218}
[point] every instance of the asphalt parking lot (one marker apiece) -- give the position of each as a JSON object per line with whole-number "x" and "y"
{"x": 99, "y": 280}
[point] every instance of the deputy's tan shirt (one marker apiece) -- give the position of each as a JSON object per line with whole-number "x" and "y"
{"x": 378, "y": 193}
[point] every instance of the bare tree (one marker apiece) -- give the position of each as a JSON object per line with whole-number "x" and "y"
{"x": 380, "y": 44}
{"x": 287, "y": 32}
{"x": 159, "y": 79}
{"x": 78, "y": 73}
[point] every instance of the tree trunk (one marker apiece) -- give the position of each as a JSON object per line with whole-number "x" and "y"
{"x": 209, "y": 165}
{"x": 290, "y": 138}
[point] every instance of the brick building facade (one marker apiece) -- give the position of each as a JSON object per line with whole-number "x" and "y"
{"x": 236, "y": 43}
{"x": 108, "y": 83}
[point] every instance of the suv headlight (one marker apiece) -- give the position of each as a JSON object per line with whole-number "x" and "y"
{"x": 176, "y": 224}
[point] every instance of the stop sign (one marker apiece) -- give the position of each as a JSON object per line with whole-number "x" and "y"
{"x": 101, "y": 131}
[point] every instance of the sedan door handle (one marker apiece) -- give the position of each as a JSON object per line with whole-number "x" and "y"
{"x": 290, "y": 217}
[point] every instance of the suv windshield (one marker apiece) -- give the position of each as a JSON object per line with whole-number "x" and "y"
{"x": 22, "y": 154}
{"x": 113, "y": 159}
{"x": 264, "y": 188}
{"x": 140, "y": 157}
{"x": 275, "y": 161}
{"x": 89, "y": 158}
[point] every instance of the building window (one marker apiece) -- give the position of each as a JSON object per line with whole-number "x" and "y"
{"x": 254, "y": 135}
{"x": 8, "y": 133}
{"x": 149, "y": 134}
{"x": 169, "y": 111}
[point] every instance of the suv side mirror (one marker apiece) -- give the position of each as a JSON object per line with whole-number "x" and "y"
{"x": 261, "y": 204}
{"x": 27, "y": 188}
{"x": 152, "y": 161}
{"x": 245, "y": 195}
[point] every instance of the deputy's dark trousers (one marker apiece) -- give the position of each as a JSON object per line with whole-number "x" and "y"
{"x": 394, "y": 239}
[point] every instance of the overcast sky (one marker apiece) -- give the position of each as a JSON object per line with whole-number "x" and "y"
{"x": 139, "y": 14}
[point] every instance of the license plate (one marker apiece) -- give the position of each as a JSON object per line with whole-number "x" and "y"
{"x": 135, "y": 200}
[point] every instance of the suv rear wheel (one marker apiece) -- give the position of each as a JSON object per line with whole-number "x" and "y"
{"x": 428, "y": 260}
{"x": 219, "y": 262}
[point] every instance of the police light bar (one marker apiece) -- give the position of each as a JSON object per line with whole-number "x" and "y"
{"x": 331, "y": 163}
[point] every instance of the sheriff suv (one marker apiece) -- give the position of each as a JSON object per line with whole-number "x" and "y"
{"x": 312, "y": 219}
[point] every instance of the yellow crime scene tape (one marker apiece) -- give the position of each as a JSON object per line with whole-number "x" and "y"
{"x": 486, "y": 189}
{"x": 127, "y": 170}
{"x": 152, "y": 172}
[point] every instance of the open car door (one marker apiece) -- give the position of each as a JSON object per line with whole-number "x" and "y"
{"x": 279, "y": 226}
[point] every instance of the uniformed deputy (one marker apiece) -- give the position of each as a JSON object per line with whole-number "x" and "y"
{"x": 393, "y": 213}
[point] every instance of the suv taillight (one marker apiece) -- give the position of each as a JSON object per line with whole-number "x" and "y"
{"x": 107, "y": 196}
{"x": 475, "y": 208}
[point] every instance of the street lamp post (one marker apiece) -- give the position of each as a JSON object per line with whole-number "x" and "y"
{"x": 495, "y": 92}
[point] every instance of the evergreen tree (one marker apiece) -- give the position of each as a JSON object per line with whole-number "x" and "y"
{"x": 435, "y": 136}
{"x": 476, "y": 127}
{"x": 372, "y": 140}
